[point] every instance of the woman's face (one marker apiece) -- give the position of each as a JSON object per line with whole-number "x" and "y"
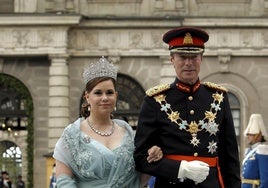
{"x": 187, "y": 66}
{"x": 102, "y": 98}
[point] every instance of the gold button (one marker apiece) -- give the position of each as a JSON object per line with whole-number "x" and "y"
{"x": 192, "y": 112}
{"x": 195, "y": 154}
{"x": 190, "y": 98}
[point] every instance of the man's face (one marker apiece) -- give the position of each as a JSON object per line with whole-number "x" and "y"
{"x": 5, "y": 176}
{"x": 253, "y": 138}
{"x": 187, "y": 66}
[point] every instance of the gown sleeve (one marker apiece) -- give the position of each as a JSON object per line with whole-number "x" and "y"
{"x": 62, "y": 153}
{"x": 65, "y": 181}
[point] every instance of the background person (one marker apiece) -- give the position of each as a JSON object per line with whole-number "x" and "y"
{"x": 53, "y": 179}
{"x": 6, "y": 182}
{"x": 255, "y": 163}
{"x": 96, "y": 150}
{"x": 1, "y": 181}
{"x": 20, "y": 182}
{"x": 191, "y": 122}
{"x": 151, "y": 182}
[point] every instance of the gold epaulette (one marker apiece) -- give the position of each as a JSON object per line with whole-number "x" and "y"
{"x": 215, "y": 87}
{"x": 157, "y": 89}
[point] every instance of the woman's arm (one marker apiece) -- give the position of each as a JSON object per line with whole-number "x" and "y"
{"x": 64, "y": 176}
{"x": 61, "y": 168}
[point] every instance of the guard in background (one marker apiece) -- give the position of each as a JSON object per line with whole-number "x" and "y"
{"x": 53, "y": 179}
{"x": 255, "y": 163}
{"x": 190, "y": 121}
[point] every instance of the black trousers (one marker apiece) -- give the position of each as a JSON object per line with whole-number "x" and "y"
{"x": 210, "y": 182}
{"x": 166, "y": 184}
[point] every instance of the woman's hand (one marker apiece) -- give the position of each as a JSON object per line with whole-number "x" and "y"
{"x": 154, "y": 154}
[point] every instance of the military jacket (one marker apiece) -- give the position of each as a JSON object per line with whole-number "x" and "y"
{"x": 255, "y": 167}
{"x": 192, "y": 121}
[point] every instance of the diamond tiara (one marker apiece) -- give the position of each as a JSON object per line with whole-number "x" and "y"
{"x": 102, "y": 68}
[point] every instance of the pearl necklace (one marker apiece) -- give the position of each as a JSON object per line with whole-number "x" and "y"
{"x": 92, "y": 127}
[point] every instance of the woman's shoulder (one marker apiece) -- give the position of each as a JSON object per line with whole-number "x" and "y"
{"x": 123, "y": 123}
{"x": 73, "y": 127}
{"x": 71, "y": 134}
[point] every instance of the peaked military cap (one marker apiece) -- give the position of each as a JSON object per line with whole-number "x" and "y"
{"x": 186, "y": 40}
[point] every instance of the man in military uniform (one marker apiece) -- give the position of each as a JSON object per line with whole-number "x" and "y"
{"x": 190, "y": 121}
{"x": 255, "y": 163}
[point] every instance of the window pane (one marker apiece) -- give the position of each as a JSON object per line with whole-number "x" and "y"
{"x": 234, "y": 102}
{"x": 12, "y": 110}
{"x": 235, "y": 109}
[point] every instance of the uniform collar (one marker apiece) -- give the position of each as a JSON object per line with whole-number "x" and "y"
{"x": 186, "y": 87}
{"x": 255, "y": 145}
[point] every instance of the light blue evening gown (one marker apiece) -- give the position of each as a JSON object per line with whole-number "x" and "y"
{"x": 93, "y": 164}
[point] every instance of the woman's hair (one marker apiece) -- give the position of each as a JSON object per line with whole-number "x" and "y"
{"x": 89, "y": 86}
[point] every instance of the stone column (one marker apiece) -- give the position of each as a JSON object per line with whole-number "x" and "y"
{"x": 58, "y": 107}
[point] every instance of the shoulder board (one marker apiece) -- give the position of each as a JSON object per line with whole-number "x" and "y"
{"x": 215, "y": 87}
{"x": 157, "y": 89}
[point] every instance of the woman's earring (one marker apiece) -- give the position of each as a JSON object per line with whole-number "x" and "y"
{"x": 88, "y": 108}
{"x": 115, "y": 108}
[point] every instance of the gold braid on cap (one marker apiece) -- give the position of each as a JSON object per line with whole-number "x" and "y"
{"x": 102, "y": 68}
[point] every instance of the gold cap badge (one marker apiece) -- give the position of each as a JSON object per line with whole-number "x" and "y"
{"x": 188, "y": 39}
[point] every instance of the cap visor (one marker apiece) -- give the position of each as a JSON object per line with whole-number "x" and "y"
{"x": 187, "y": 50}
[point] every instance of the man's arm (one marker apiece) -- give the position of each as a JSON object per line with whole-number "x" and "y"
{"x": 147, "y": 135}
{"x": 228, "y": 150}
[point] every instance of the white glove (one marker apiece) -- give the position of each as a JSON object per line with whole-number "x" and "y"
{"x": 194, "y": 170}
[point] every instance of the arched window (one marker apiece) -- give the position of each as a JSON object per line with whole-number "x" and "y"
{"x": 12, "y": 110}
{"x": 11, "y": 158}
{"x": 235, "y": 109}
{"x": 130, "y": 97}
{"x": 16, "y": 123}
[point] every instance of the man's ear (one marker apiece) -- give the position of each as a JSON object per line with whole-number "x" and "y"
{"x": 259, "y": 137}
{"x": 171, "y": 59}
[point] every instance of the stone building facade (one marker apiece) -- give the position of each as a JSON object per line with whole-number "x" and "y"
{"x": 45, "y": 44}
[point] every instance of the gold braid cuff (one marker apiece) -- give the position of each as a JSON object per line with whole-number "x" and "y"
{"x": 251, "y": 181}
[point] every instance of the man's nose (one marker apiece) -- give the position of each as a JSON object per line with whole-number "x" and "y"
{"x": 188, "y": 60}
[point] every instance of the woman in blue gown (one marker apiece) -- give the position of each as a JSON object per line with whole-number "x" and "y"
{"x": 96, "y": 151}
